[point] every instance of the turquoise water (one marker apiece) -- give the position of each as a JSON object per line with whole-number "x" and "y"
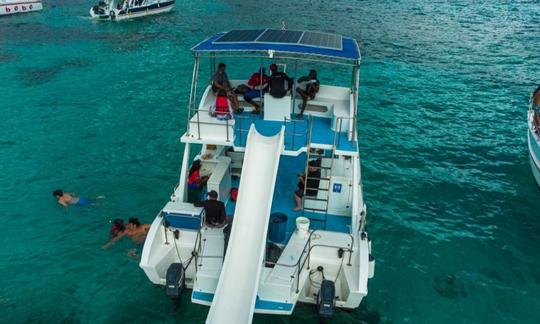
{"x": 97, "y": 108}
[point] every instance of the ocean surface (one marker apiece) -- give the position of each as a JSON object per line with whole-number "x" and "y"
{"x": 98, "y": 109}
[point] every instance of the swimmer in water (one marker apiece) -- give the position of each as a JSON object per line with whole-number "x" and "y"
{"x": 65, "y": 199}
{"x": 134, "y": 229}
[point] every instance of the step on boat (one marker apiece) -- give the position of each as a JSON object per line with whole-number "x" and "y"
{"x": 533, "y": 134}
{"x": 127, "y": 9}
{"x": 269, "y": 257}
{"x": 10, "y": 7}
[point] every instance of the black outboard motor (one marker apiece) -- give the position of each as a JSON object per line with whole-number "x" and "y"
{"x": 176, "y": 279}
{"x": 326, "y": 300}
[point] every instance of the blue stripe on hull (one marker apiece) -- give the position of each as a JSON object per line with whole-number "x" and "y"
{"x": 259, "y": 303}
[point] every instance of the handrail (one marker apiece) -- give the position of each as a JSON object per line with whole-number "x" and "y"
{"x": 308, "y": 257}
{"x": 294, "y": 134}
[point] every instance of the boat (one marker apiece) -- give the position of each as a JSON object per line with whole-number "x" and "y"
{"x": 271, "y": 257}
{"x": 533, "y": 134}
{"x": 10, "y": 7}
{"x": 127, "y": 9}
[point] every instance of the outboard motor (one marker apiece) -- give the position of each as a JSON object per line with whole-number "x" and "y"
{"x": 326, "y": 300}
{"x": 175, "y": 282}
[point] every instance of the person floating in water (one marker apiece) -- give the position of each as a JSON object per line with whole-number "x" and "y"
{"x": 134, "y": 229}
{"x": 65, "y": 199}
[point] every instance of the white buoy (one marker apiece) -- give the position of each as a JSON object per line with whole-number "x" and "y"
{"x": 302, "y": 226}
{"x": 371, "y": 268}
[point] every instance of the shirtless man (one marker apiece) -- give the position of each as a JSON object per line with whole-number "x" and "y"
{"x": 65, "y": 199}
{"x": 136, "y": 231}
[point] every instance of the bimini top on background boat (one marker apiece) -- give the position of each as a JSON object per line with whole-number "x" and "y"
{"x": 272, "y": 256}
{"x": 533, "y": 134}
{"x": 126, "y": 9}
{"x": 10, "y": 7}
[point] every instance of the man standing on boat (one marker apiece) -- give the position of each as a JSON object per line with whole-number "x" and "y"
{"x": 220, "y": 81}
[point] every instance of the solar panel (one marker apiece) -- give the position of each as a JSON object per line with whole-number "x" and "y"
{"x": 274, "y": 36}
{"x": 324, "y": 40}
{"x": 239, "y": 36}
{"x": 280, "y": 36}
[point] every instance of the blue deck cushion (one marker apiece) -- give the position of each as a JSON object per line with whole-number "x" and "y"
{"x": 183, "y": 221}
{"x": 349, "y": 48}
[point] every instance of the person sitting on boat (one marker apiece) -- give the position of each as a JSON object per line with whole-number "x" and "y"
{"x": 66, "y": 198}
{"x": 310, "y": 185}
{"x": 220, "y": 81}
{"x": 195, "y": 181}
{"x": 214, "y": 210}
{"x": 222, "y": 108}
{"x": 258, "y": 84}
{"x": 308, "y": 86}
{"x": 277, "y": 87}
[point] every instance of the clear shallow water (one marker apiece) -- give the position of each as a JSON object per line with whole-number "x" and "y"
{"x": 97, "y": 108}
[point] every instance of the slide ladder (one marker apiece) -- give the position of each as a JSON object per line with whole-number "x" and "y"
{"x": 236, "y": 291}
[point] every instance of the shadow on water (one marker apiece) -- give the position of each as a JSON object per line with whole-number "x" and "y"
{"x": 449, "y": 286}
{"x": 39, "y": 76}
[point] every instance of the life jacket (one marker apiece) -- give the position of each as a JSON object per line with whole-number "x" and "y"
{"x": 234, "y": 194}
{"x": 222, "y": 105}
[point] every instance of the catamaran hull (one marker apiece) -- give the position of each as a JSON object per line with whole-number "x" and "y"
{"x": 19, "y": 7}
{"x": 153, "y": 9}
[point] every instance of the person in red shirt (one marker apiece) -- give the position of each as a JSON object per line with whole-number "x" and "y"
{"x": 195, "y": 181}
{"x": 258, "y": 83}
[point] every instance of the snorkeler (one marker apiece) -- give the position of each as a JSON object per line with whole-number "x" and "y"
{"x": 66, "y": 198}
{"x": 134, "y": 229}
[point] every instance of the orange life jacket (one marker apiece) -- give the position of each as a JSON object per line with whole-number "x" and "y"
{"x": 222, "y": 105}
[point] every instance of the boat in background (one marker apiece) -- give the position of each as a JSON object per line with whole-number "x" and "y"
{"x": 272, "y": 256}
{"x": 10, "y": 7}
{"x": 533, "y": 134}
{"x": 127, "y": 9}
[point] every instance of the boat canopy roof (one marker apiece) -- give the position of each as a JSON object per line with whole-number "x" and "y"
{"x": 293, "y": 42}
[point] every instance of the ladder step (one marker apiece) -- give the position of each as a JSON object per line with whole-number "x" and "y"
{"x": 317, "y": 220}
{"x": 315, "y": 199}
{"x": 315, "y": 209}
{"x": 310, "y": 178}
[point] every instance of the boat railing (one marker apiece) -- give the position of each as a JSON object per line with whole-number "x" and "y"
{"x": 350, "y": 132}
{"x": 241, "y": 120}
{"x": 295, "y": 134}
{"x": 198, "y": 122}
{"x": 305, "y": 257}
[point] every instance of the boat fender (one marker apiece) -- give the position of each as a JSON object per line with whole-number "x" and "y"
{"x": 371, "y": 267}
{"x": 112, "y": 14}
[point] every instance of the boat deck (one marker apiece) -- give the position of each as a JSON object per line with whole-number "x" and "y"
{"x": 283, "y": 200}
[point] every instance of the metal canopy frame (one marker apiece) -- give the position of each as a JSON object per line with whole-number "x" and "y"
{"x": 275, "y": 55}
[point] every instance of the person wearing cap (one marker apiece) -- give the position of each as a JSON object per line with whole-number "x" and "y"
{"x": 258, "y": 83}
{"x": 220, "y": 81}
{"x": 213, "y": 209}
{"x": 277, "y": 88}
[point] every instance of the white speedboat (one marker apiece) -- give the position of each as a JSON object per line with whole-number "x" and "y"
{"x": 533, "y": 134}
{"x": 127, "y": 9}
{"x": 271, "y": 257}
{"x": 10, "y": 7}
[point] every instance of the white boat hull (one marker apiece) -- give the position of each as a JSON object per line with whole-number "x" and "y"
{"x": 137, "y": 12}
{"x": 15, "y": 7}
{"x": 534, "y": 149}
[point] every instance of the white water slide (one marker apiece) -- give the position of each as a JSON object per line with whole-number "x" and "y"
{"x": 236, "y": 292}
